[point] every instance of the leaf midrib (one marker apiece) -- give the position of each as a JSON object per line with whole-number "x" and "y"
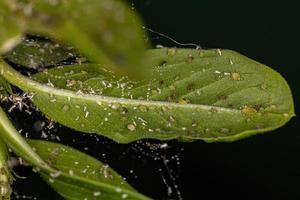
{"x": 29, "y": 85}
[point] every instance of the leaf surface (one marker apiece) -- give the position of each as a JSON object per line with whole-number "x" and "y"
{"x": 37, "y": 53}
{"x": 5, "y": 88}
{"x": 211, "y": 95}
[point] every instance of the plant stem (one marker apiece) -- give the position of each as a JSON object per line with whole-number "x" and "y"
{"x": 5, "y": 176}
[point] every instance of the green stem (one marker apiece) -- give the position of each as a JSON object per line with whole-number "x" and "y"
{"x": 11, "y": 137}
{"x": 5, "y": 176}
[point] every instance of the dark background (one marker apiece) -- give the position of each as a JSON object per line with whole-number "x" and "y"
{"x": 261, "y": 167}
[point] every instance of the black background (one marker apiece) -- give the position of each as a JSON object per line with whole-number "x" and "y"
{"x": 261, "y": 167}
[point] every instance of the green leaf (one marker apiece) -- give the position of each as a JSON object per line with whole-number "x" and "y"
{"x": 5, "y": 176}
{"x": 81, "y": 176}
{"x": 10, "y": 31}
{"x": 36, "y": 53}
{"x": 211, "y": 95}
{"x": 5, "y": 88}
{"x": 106, "y": 31}
{"x": 72, "y": 174}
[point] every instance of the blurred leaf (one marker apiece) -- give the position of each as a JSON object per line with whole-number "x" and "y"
{"x": 71, "y": 173}
{"x": 5, "y": 88}
{"x": 9, "y": 29}
{"x": 106, "y": 31}
{"x": 35, "y": 53}
{"x": 211, "y": 95}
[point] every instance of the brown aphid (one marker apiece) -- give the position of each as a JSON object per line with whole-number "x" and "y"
{"x": 248, "y": 111}
{"x": 236, "y": 76}
{"x": 171, "y": 51}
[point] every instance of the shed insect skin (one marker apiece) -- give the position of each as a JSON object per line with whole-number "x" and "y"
{"x": 52, "y": 157}
{"x": 104, "y": 170}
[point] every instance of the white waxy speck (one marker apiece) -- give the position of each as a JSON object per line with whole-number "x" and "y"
{"x": 97, "y": 193}
{"x": 163, "y": 146}
{"x": 55, "y": 174}
{"x": 198, "y": 92}
{"x": 115, "y": 106}
{"x": 286, "y": 115}
{"x": 86, "y": 114}
{"x": 71, "y": 172}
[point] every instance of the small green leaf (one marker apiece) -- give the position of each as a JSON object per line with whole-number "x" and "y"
{"x": 35, "y": 53}
{"x": 81, "y": 176}
{"x": 72, "y": 174}
{"x": 106, "y": 31}
{"x": 5, "y": 88}
{"x": 10, "y": 31}
{"x": 211, "y": 95}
